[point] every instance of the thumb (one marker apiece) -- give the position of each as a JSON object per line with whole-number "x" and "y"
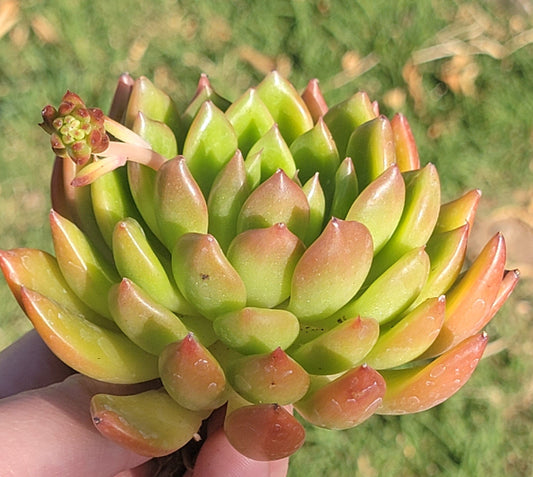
{"x": 51, "y": 433}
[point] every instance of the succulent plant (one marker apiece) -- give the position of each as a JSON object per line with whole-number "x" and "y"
{"x": 261, "y": 254}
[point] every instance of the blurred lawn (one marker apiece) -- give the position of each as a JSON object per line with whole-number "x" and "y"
{"x": 461, "y": 71}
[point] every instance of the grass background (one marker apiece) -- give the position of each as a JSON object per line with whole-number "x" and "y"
{"x": 460, "y": 70}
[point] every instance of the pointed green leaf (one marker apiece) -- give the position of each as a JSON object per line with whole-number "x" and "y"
{"x": 269, "y": 377}
{"x": 205, "y": 276}
{"x": 97, "y": 352}
{"x": 277, "y": 200}
{"x": 265, "y": 259}
{"x": 254, "y": 330}
{"x": 400, "y": 285}
{"x": 210, "y": 143}
{"x": 286, "y": 106}
{"x": 317, "y": 208}
{"x": 380, "y": 205}
{"x": 38, "y": 271}
{"x": 346, "y": 189}
{"x": 371, "y": 147}
{"x": 410, "y": 337}
{"x": 315, "y": 151}
{"x": 250, "y": 119}
{"x": 135, "y": 259}
{"x": 152, "y": 102}
{"x": 230, "y": 190}
{"x": 89, "y": 275}
{"x": 179, "y": 204}
{"x": 331, "y": 270}
{"x": 338, "y": 349}
{"x": 420, "y": 213}
{"x": 343, "y": 118}
{"x": 148, "y": 324}
{"x": 275, "y": 154}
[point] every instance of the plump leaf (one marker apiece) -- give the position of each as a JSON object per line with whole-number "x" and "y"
{"x": 97, "y": 352}
{"x": 166, "y": 428}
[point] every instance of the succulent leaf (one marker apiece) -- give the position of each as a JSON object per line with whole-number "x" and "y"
{"x": 210, "y": 143}
{"x": 191, "y": 375}
{"x": 230, "y": 190}
{"x": 287, "y": 108}
{"x": 275, "y": 433}
{"x": 146, "y": 98}
{"x": 278, "y": 199}
{"x": 401, "y": 284}
{"x": 250, "y": 119}
{"x": 407, "y": 157}
{"x": 346, "y": 189}
{"x": 410, "y": 337}
{"x": 315, "y": 152}
{"x": 380, "y": 205}
{"x": 205, "y": 277}
{"x": 314, "y": 100}
{"x": 419, "y": 216}
{"x": 38, "y": 271}
{"x": 254, "y": 330}
{"x": 179, "y": 204}
{"x": 331, "y": 270}
{"x": 422, "y": 387}
{"x": 265, "y": 260}
{"x": 136, "y": 259}
{"x": 270, "y": 377}
{"x": 338, "y": 349}
{"x": 87, "y": 272}
{"x": 147, "y": 323}
{"x": 469, "y": 302}
{"x": 344, "y": 402}
{"x": 275, "y": 154}
{"x": 124, "y": 420}
{"x": 98, "y": 352}
{"x": 371, "y": 147}
{"x": 343, "y": 118}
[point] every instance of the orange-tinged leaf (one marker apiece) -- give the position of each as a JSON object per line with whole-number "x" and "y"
{"x": 270, "y": 377}
{"x": 417, "y": 389}
{"x": 38, "y": 271}
{"x": 344, "y": 402}
{"x": 191, "y": 375}
{"x": 264, "y": 432}
{"x": 125, "y": 420}
{"x": 406, "y": 151}
{"x": 314, "y": 100}
{"x": 508, "y": 284}
{"x": 469, "y": 303}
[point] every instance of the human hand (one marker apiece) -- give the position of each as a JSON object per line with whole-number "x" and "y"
{"x": 47, "y": 428}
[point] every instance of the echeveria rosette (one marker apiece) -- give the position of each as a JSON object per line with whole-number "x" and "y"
{"x": 255, "y": 254}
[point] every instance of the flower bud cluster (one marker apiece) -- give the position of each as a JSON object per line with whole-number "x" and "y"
{"x": 75, "y": 131}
